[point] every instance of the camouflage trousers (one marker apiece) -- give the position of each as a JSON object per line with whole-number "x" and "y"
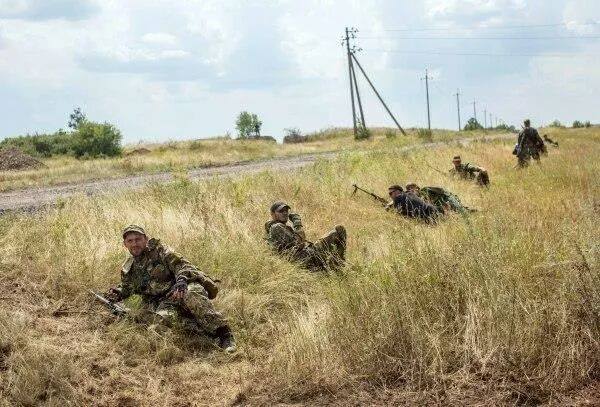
{"x": 326, "y": 253}
{"x": 526, "y": 155}
{"x": 195, "y": 312}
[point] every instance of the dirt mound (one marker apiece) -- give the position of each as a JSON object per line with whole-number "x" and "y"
{"x": 138, "y": 151}
{"x": 13, "y": 159}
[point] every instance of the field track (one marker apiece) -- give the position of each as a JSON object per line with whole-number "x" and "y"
{"x": 34, "y": 198}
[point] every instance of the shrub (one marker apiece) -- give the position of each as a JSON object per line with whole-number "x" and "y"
{"x": 362, "y": 133}
{"x": 577, "y": 124}
{"x": 557, "y": 124}
{"x": 425, "y": 134}
{"x": 390, "y": 133}
{"x": 587, "y": 124}
{"x": 96, "y": 140}
{"x": 473, "y": 124}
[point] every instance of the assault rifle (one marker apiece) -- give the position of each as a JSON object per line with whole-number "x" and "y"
{"x": 114, "y": 308}
{"x": 375, "y": 196}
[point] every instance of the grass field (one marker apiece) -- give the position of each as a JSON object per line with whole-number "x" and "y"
{"x": 181, "y": 156}
{"x": 498, "y": 308}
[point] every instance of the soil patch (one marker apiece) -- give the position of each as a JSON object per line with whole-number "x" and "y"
{"x": 13, "y": 159}
{"x": 138, "y": 151}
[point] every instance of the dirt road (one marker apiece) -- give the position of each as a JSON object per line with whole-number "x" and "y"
{"x": 33, "y": 198}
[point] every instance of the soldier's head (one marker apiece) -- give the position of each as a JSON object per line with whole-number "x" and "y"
{"x": 456, "y": 161}
{"x": 280, "y": 211}
{"x": 412, "y": 188}
{"x": 394, "y": 191}
{"x": 135, "y": 239}
{"x": 526, "y": 123}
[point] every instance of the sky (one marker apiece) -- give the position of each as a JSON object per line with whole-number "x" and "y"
{"x": 170, "y": 70}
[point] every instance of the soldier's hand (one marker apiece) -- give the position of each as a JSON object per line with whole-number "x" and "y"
{"x": 301, "y": 234}
{"x": 211, "y": 288}
{"x": 114, "y": 294}
{"x": 179, "y": 289}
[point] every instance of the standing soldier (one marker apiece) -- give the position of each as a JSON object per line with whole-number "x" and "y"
{"x": 324, "y": 254}
{"x": 529, "y": 145}
{"x": 170, "y": 287}
{"x": 470, "y": 171}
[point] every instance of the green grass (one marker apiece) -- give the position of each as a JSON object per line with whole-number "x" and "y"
{"x": 499, "y": 308}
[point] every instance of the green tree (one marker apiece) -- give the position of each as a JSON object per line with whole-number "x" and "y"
{"x": 473, "y": 124}
{"x": 76, "y": 118}
{"x": 96, "y": 140}
{"x": 248, "y": 125}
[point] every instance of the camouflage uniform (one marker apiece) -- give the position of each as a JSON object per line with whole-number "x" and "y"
{"x": 442, "y": 199}
{"x": 326, "y": 253}
{"x": 152, "y": 276}
{"x": 470, "y": 172}
{"x": 529, "y": 145}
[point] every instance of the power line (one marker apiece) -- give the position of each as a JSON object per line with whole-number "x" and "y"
{"x": 564, "y": 37}
{"x": 481, "y": 54}
{"x": 505, "y": 27}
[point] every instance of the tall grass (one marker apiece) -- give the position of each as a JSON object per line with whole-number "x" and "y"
{"x": 502, "y": 304}
{"x": 178, "y": 156}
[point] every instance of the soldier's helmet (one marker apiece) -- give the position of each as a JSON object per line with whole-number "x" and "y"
{"x": 278, "y": 206}
{"x": 527, "y": 123}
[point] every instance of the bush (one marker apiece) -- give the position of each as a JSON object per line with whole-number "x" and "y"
{"x": 577, "y": 124}
{"x": 96, "y": 140}
{"x": 587, "y": 124}
{"x": 557, "y": 124}
{"x": 425, "y": 134}
{"x": 362, "y": 133}
{"x": 390, "y": 133}
{"x": 506, "y": 127}
{"x": 473, "y": 124}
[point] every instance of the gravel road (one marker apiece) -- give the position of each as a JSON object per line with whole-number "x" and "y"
{"x": 33, "y": 198}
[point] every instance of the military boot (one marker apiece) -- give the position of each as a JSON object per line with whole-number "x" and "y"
{"x": 226, "y": 340}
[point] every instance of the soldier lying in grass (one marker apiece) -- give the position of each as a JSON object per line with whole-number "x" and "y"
{"x": 326, "y": 253}
{"x": 469, "y": 172}
{"x": 411, "y": 205}
{"x": 171, "y": 288}
{"x": 444, "y": 200}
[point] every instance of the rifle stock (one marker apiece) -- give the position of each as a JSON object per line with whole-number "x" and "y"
{"x": 114, "y": 308}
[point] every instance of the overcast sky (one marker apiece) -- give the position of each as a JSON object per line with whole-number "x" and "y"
{"x": 163, "y": 70}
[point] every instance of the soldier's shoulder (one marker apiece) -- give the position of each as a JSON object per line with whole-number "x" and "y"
{"x": 126, "y": 267}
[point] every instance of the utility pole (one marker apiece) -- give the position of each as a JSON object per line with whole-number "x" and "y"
{"x": 350, "y": 33}
{"x": 427, "y": 93}
{"x": 491, "y": 124}
{"x": 485, "y": 118}
{"x": 474, "y": 111}
{"x": 360, "y": 108}
{"x": 458, "y": 107}
{"x": 377, "y": 94}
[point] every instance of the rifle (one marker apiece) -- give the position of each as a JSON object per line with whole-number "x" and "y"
{"x": 375, "y": 196}
{"x": 114, "y": 308}
{"x": 435, "y": 169}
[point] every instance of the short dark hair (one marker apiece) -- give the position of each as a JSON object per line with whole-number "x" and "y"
{"x": 396, "y": 188}
{"x": 411, "y": 185}
{"x": 526, "y": 122}
{"x": 456, "y": 158}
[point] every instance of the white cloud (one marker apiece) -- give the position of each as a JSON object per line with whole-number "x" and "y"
{"x": 160, "y": 39}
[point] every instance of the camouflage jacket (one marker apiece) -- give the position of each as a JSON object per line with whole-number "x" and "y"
{"x": 284, "y": 238}
{"x": 441, "y": 199}
{"x": 529, "y": 140}
{"x": 466, "y": 170}
{"x": 153, "y": 273}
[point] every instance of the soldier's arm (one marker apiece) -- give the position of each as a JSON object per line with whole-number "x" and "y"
{"x": 297, "y": 225}
{"x": 474, "y": 168}
{"x": 124, "y": 289}
{"x": 179, "y": 265}
{"x": 280, "y": 237}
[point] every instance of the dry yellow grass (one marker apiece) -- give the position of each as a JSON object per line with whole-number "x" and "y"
{"x": 178, "y": 156}
{"x": 501, "y": 307}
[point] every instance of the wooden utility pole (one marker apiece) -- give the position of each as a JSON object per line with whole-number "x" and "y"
{"x": 350, "y": 32}
{"x": 474, "y": 111}
{"x": 427, "y": 94}
{"x": 360, "y": 108}
{"x": 491, "y": 124}
{"x": 458, "y": 107}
